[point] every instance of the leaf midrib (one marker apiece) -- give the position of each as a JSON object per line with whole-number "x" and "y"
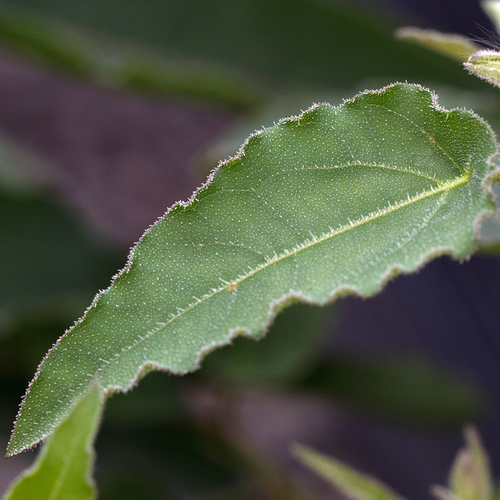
{"x": 444, "y": 187}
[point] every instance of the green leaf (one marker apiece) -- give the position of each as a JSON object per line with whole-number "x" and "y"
{"x": 62, "y": 470}
{"x": 281, "y": 43}
{"x": 351, "y": 482}
{"x": 485, "y": 64}
{"x": 487, "y": 105}
{"x": 470, "y": 477}
{"x": 118, "y": 63}
{"x": 454, "y": 46}
{"x": 335, "y": 201}
{"x": 402, "y": 388}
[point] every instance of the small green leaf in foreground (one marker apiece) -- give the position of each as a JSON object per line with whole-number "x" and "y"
{"x": 63, "y": 469}
{"x": 454, "y": 46}
{"x": 351, "y": 482}
{"x": 470, "y": 477}
{"x": 334, "y": 201}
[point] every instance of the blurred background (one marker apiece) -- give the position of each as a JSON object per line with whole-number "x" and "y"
{"x": 110, "y": 113}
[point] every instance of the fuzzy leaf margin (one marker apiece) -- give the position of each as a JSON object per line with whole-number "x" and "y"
{"x": 334, "y": 201}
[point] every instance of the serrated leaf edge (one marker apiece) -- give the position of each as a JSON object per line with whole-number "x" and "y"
{"x": 278, "y": 304}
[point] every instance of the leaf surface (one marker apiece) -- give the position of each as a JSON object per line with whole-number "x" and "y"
{"x": 334, "y": 201}
{"x": 487, "y": 105}
{"x": 62, "y": 471}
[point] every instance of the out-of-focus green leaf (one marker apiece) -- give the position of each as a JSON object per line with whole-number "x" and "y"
{"x": 305, "y": 211}
{"x": 283, "y": 357}
{"x": 470, "y": 477}
{"x": 148, "y": 72}
{"x": 157, "y": 399}
{"x": 349, "y": 481}
{"x": 48, "y": 258}
{"x": 51, "y": 262}
{"x": 281, "y": 43}
{"x": 63, "y": 469}
{"x": 25, "y": 340}
{"x": 178, "y": 461}
{"x": 457, "y": 47}
{"x": 112, "y": 61}
{"x": 50, "y": 41}
{"x": 492, "y": 8}
{"x": 403, "y": 389}
{"x": 181, "y": 458}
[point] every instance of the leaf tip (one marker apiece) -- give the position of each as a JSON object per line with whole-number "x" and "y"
{"x": 451, "y": 45}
